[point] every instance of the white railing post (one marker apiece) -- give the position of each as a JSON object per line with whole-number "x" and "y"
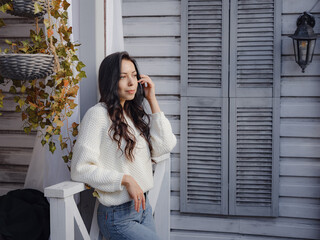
{"x": 162, "y": 205}
{"x": 61, "y": 219}
{"x": 64, "y": 211}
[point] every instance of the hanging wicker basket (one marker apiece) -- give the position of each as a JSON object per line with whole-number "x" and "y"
{"x": 2, "y": 2}
{"x": 25, "y": 8}
{"x": 26, "y": 66}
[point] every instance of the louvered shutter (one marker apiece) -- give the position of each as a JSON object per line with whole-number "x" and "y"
{"x": 254, "y": 107}
{"x": 204, "y": 106}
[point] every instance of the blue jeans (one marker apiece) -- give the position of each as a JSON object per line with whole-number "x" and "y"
{"x": 124, "y": 222}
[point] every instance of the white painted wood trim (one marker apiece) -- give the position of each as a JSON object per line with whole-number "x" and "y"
{"x": 64, "y": 189}
{"x": 162, "y": 207}
{"x": 78, "y": 220}
{"x": 61, "y": 219}
{"x": 159, "y": 173}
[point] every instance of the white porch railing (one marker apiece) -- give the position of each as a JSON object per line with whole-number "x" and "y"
{"x": 64, "y": 213}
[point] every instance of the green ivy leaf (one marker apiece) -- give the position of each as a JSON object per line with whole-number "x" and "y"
{"x": 18, "y": 109}
{"x": 8, "y": 42}
{"x": 17, "y": 83}
{"x": 58, "y": 122}
{"x": 12, "y": 90}
{"x": 47, "y": 137}
{"x": 63, "y": 145}
{"x": 80, "y": 65}
{"x": 2, "y": 23}
{"x": 74, "y": 58}
{"x": 69, "y": 113}
{"x": 43, "y": 142}
{"x": 50, "y": 83}
{"x": 82, "y": 74}
{"x": 65, "y": 5}
{"x": 96, "y": 194}
{"x": 16, "y": 98}
{"x": 49, "y": 128}
{"x": 57, "y": 131}
{"x": 5, "y": 7}
{"x": 74, "y": 133}
{"x": 65, "y": 158}
{"x": 42, "y": 125}
{"x": 27, "y": 130}
{"x": 23, "y": 89}
{"x": 37, "y": 8}
{"x": 21, "y": 102}
{"x": 46, "y": 23}
{"x": 52, "y": 147}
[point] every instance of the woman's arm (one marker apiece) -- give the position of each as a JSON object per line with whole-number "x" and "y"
{"x": 85, "y": 164}
{"x": 162, "y": 138}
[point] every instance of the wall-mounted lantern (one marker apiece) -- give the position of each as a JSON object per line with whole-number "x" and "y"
{"x": 304, "y": 40}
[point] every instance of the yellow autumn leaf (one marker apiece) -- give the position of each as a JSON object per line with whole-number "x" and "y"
{"x": 58, "y": 122}
{"x": 73, "y": 91}
{"x": 1, "y": 95}
{"x": 23, "y": 88}
{"x": 46, "y": 23}
{"x": 21, "y": 102}
{"x": 49, "y": 129}
{"x": 37, "y": 8}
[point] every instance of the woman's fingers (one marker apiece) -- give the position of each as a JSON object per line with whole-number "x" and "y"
{"x": 138, "y": 201}
{"x": 136, "y": 204}
{"x": 143, "y": 203}
{"x": 145, "y": 79}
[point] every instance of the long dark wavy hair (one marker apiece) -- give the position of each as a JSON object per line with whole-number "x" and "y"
{"x": 109, "y": 76}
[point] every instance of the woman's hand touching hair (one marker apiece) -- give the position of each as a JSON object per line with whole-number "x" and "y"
{"x": 134, "y": 191}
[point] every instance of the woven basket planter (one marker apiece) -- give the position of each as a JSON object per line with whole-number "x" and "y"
{"x": 25, "y": 8}
{"x": 26, "y": 66}
{"x": 2, "y": 2}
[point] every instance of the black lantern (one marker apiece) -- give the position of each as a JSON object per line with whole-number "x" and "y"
{"x": 304, "y": 40}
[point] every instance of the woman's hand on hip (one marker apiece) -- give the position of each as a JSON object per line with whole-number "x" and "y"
{"x": 134, "y": 191}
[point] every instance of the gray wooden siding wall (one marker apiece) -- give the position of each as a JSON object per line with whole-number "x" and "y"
{"x": 152, "y": 36}
{"x": 15, "y": 146}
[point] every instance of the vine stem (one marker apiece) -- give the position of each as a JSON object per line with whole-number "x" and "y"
{"x": 37, "y": 25}
{"x": 52, "y": 48}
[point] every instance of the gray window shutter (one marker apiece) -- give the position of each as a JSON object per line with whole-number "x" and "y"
{"x": 254, "y": 107}
{"x": 204, "y": 106}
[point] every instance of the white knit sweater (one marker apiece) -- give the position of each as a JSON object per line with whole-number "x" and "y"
{"x": 98, "y": 162}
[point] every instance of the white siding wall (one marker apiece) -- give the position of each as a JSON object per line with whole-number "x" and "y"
{"x": 152, "y": 36}
{"x": 15, "y": 146}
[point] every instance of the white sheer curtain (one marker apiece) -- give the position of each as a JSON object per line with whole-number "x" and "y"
{"x": 45, "y": 168}
{"x": 114, "y": 27}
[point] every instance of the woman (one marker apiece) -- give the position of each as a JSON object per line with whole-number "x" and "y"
{"x": 116, "y": 145}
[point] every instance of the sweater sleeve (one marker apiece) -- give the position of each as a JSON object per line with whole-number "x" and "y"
{"x": 162, "y": 138}
{"x": 85, "y": 165}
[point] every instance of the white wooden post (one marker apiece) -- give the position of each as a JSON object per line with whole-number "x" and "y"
{"x": 64, "y": 211}
{"x": 162, "y": 205}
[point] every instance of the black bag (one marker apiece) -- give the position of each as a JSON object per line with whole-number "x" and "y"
{"x": 24, "y": 214}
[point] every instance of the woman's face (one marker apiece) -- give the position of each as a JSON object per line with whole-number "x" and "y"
{"x": 128, "y": 82}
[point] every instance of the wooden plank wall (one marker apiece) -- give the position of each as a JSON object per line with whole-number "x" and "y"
{"x": 15, "y": 146}
{"x": 152, "y": 36}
